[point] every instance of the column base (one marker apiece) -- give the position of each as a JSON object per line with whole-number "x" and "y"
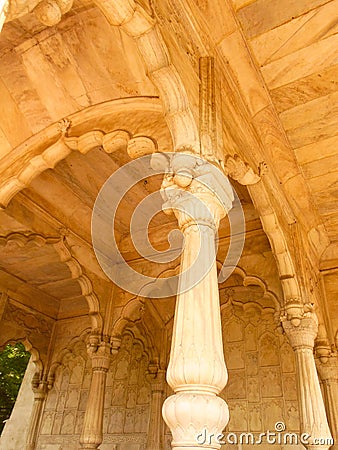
{"x": 195, "y": 420}
{"x": 88, "y": 446}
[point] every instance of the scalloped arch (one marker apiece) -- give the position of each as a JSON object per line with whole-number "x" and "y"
{"x": 48, "y": 147}
{"x": 252, "y": 280}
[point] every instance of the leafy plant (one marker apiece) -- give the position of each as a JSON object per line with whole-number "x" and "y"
{"x": 13, "y": 363}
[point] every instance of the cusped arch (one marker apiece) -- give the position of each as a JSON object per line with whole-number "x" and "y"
{"x": 53, "y": 250}
{"x": 78, "y": 132}
{"x": 68, "y": 351}
{"x": 29, "y": 347}
{"x": 253, "y": 280}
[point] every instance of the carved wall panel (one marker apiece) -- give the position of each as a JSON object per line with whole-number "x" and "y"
{"x": 127, "y": 400}
{"x": 65, "y": 405}
{"x": 262, "y": 385}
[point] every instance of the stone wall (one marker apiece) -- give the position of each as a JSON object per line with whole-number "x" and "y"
{"x": 261, "y": 390}
{"x": 127, "y": 400}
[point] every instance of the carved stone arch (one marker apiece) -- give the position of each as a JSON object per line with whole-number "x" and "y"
{"x": 253, "y": 280}
{"x": 66, "y": 351}
{"x": 131, "y": 314}
{"x": 84, "y": 282}
{"x": 76, "y": 133}
{"x": 151, "y": 287}
{"x": 54, "y": 250}
{"x": 131, "y": 321}
{"x": 278, "y": 242}
{"x": 35, "y": 355}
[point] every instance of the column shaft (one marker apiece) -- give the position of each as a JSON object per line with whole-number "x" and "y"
{"x": 92, "y": 434}
{"x": 313, "y": 418}
{"x": 328, "y": 372}
{"x": 155, "y": 431}
{"x": 33, "y": 430}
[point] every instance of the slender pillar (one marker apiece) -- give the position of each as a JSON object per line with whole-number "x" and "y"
{"x": 155, "y": 431}
{"x": 302, "y": 331}
{"x": 40, "y": 392}
{"x": 199, "y": 195}
{"x": 327, "y": 367}
{"x": 92, "y": 433}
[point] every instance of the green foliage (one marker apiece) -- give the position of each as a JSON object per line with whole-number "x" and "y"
{"x": 13, "y": 363}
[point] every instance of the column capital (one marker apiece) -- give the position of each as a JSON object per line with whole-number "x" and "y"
{"x": 100, "y": 353}
{"x": 196, "y": 191}
{"x": 302, "y": 330}
{"x": 156, "y": 380}
{"x": 39, "y": 387}
{"x": 328, "y": 368}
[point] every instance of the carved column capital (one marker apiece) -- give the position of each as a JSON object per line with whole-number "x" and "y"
{"x": 196, "y": 191}
{"x": 300, "y": 324}
{"x": 302, "y": 335}
{"x": 100, "y": 353}
{"x": 328, "y": 368}
{"x": 157, "y": 381}
{"x": 39, "y": 387}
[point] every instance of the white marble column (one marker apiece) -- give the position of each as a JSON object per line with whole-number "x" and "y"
{"x": 40, "y": 393}
{"x": 302, "y": 331}
{"x": 92, "y": 431}
{"x": 199, "y": 196}
{"x": 327, "y": 367}
{"x": 156, "y": 429}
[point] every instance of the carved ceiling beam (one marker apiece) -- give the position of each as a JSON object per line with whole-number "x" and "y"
{"x": 138, "y": 24}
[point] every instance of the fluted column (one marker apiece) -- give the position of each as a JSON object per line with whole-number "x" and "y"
{"x": 199, "y": 195}
{"x": 100, "y": 354}
{"x": 327, "y": 367}
{"x": 40, "y": 392}
{"x": 155, "y": 430}
{"x": 302, "y": 330}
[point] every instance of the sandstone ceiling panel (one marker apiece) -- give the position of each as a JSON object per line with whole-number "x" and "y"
{"x": 295, "y": 47}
